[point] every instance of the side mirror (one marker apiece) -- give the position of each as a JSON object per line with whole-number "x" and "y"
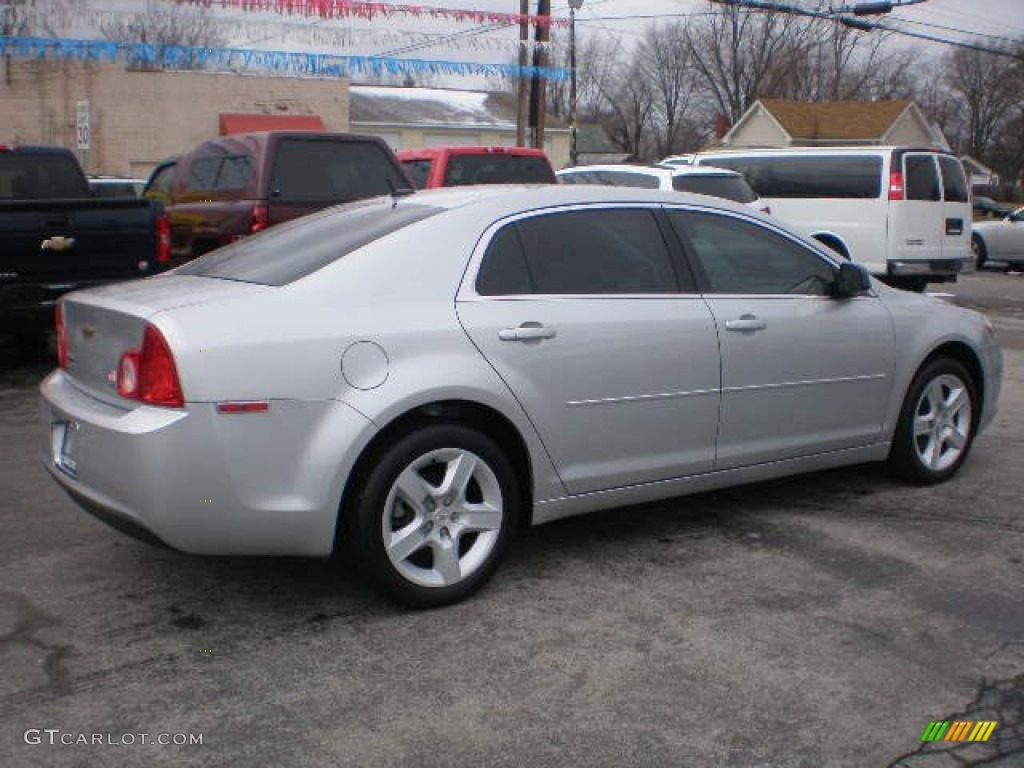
{"x": 853, "y": 280}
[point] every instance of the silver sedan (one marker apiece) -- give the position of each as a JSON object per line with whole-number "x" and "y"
{"x": 1000, "y": 240}
{"x": 410, "y": 379}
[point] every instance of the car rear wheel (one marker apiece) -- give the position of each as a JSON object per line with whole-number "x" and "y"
{"x": 936, "y": 425}
{"x": 434, "y": 516}
{"x": 979, "y": 251}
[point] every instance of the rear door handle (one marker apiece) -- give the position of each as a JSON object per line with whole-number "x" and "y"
{"x": 527, "y": 332}
{"x": 746, "y": 323}
{"x": 954, "y": 226}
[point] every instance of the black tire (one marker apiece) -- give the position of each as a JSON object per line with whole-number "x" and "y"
{"x": 924, "y": 447}
{"x": 980, "y": 252}
{"x": 454, "y": 544}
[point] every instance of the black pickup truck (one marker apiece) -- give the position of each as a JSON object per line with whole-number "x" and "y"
{"x": 56, "y": 236}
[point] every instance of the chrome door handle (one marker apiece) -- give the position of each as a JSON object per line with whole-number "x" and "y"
{"x": 527, "y": 332}
{"x": 746, "y": 323}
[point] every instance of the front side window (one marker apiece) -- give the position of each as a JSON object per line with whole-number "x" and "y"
{"x": 740, "y": 257}
{"x": 922, "y": 178}
{"x": 606, "y": 251}
{"x": 954, "y": 182}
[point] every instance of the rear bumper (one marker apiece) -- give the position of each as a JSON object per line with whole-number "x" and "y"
{"x": 203, "y": 482}
{"x": 941, "y": 269}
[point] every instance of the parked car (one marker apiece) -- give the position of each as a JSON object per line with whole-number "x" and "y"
{"x": 903, "y": 212}
{"x": 986, "y": 207}
{"x": 55, "y": 236}
{"x": 700, "y": 179}
{"x": 432, "y": 167}
{"x": 1001, "y": 240}
{"x": 115, "y": 186}
{"x": 378, "y": 390}
{"x": 234, "y": 186}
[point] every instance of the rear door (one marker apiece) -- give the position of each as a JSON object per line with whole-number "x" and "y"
{"x": 580, "y": 312}
{"x": 956, "y": 209}
{"x": 918, "y": 221}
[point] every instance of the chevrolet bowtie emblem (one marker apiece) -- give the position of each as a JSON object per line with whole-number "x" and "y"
{"x": 58, "y": 243}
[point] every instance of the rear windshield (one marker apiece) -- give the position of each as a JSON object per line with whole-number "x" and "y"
{"x": 729, "y": 187}
{"x": 497, "y": 169}
{"x": 39, "y": 176}
{"x": 418, "y": 171}
{"x": 820, "y": 176}
{"x": 286, "y": 253}
{"x": 319, "y": 171}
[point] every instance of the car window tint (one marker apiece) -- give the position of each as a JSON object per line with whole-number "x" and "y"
{"x": 954, "y": 182}
{"x": 597, "y": 252}
{"x": 324, "y": 171}
{"x": 503, "y": 271}
{"x": 159, "y": 185}
{"x": 418, "y": 171}
{"x": 729, "y": 187}
{"x": 921, "y": 178}
{"x": 741, "y": 257}
{"x": 287, "y": 252}
{"x": 811, "y": 176}
{"x": 629, "y": 179}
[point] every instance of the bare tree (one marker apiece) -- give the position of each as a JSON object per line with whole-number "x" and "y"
{"x": 737, "y": 52}
{"x": 664, "y": 60}
{"x": 162, "y": 27}
{"x": 836, "y": 62}
{"x": 988, "y": 88}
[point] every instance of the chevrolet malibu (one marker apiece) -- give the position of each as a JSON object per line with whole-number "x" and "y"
{"x": 407, "y": 380}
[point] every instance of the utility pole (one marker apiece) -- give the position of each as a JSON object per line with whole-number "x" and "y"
{"x": 538, "y": 102}
{"x": 523, "y": 104}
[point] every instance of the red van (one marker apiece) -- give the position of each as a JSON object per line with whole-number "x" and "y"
{"x": 431, "y": 167}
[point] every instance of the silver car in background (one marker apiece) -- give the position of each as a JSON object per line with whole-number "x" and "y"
{"x": 409, "y": 379}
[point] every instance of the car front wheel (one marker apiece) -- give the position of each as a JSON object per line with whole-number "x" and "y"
{"x": 434, "y": 515}
{"x": 979, "y": 251}
{"x": 936, "y": 425}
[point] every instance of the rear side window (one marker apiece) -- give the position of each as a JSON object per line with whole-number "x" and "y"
{"x": 159, "y": 185}
{"x": 954, "y": 182}
{"x": 418, "y": 171}
{"x": 497, "y": 169}
{"x": 730, "y": 187}
{"x": 283, "y": 254}
{"x": 629, "y": 179}
{"x": 809, "y": 176}
{"x": 323, "y": 171}
{"x": 219, "y": 172}
{"x": 921, "y": 178}
{"x": 603, "y": 251}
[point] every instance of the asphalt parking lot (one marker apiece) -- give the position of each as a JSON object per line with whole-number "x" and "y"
{"x": 823, "y": 620}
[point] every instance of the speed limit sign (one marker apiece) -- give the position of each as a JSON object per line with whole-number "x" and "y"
{"x": 82, "y": 125}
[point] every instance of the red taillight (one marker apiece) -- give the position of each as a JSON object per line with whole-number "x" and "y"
{"x": 149, "y": 374}
{"x": 895, "y": 185}
{"x": 260, "y": 218}
{"x": 62, "y": 338}
{"x": 163, "y": 239}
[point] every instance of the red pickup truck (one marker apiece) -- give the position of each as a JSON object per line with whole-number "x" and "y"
{"x": 458, "y": 166}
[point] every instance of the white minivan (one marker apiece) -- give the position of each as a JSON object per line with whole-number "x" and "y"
{"x": 904, "y": 213}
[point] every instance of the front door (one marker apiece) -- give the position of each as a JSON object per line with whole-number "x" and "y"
{"x": 582, "y": 314}
{"x": 802, "y": 372}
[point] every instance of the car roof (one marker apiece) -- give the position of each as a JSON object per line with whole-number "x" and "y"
{"x": 500, "y": 200}
{"x": 654, "y": 170}
{"x": 428, "y": 152}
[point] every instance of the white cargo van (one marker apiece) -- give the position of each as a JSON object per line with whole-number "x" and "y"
{"x": 904, "y": 213}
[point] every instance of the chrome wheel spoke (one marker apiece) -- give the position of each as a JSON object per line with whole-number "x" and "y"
{"x": 413, "y": 490}
{"x": 457, "y": 475}
{"x": 957, "y": 401}
{"x": 446, "y": 560}
{"x": 480, "y": 517}
{"x": 407, "y": 541}
{"x": 957, "y": 439}
{"x": 924, "y": 425}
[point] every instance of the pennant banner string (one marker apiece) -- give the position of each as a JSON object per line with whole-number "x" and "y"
{"x": 328, "y": 9}
{"x": 185, "y": 57}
